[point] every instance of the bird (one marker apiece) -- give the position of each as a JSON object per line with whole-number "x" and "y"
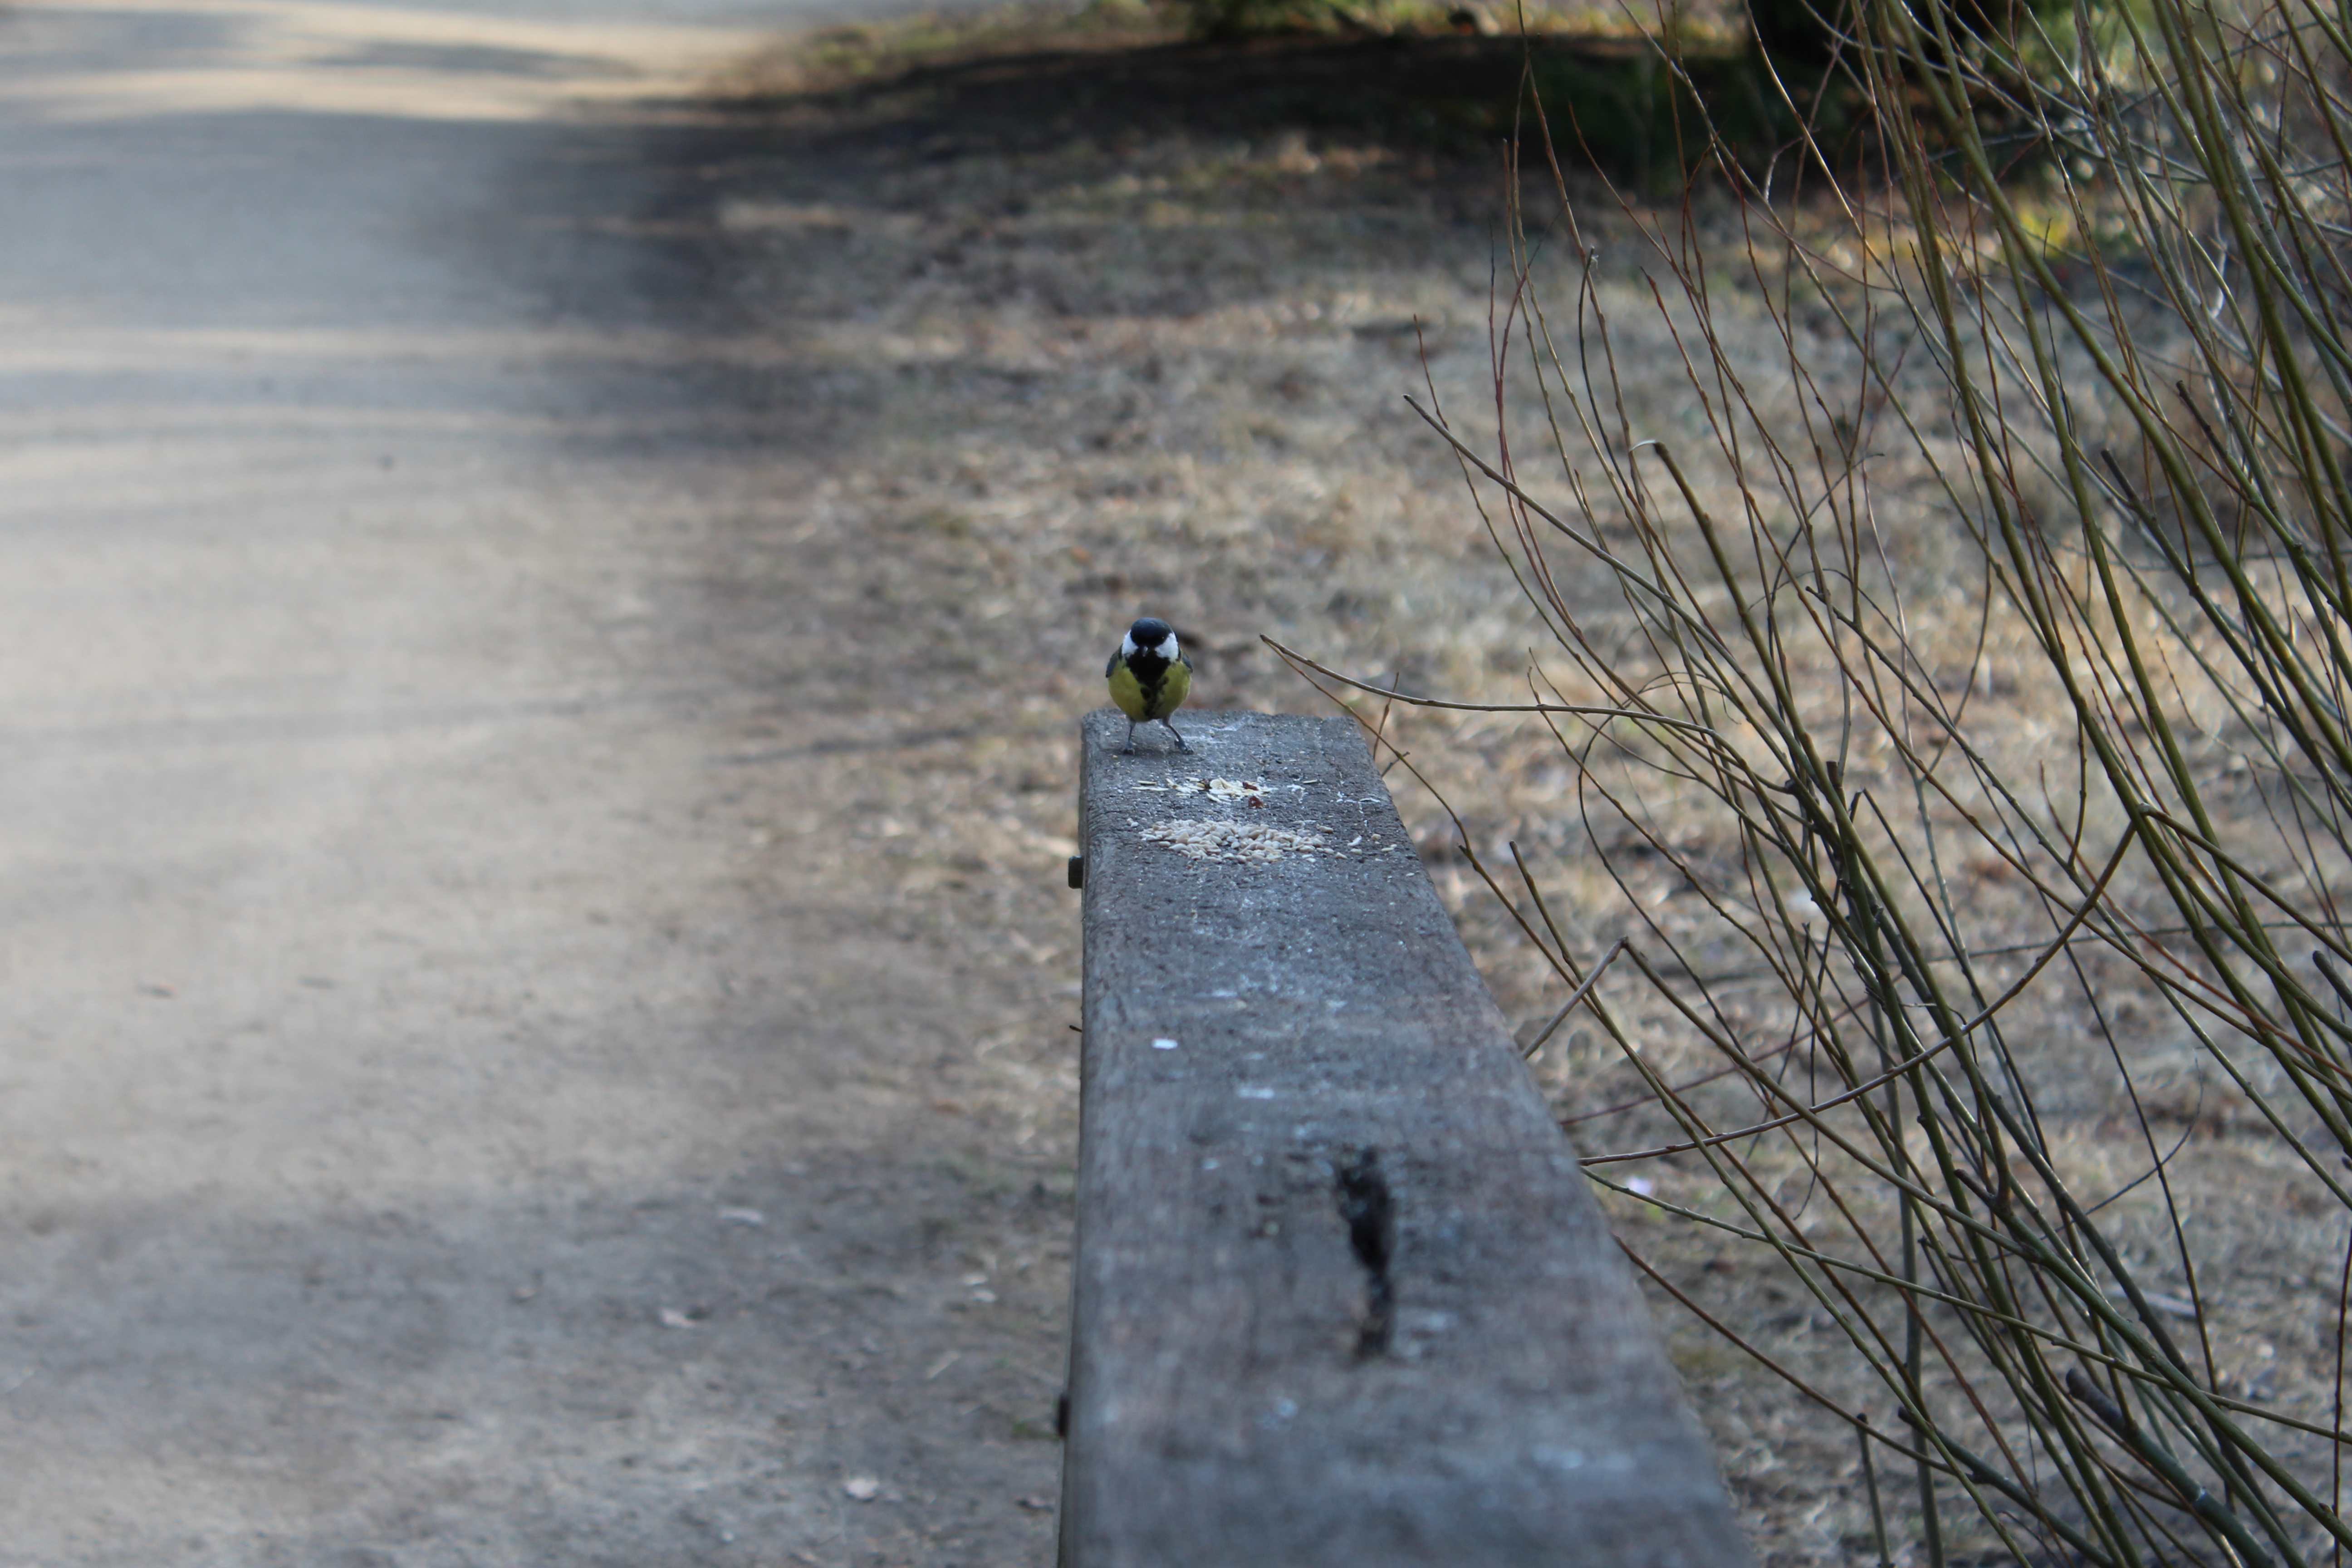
{"x": 1150, "y": 677}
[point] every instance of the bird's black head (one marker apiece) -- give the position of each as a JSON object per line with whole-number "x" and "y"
{"x": 1150, "y": 632}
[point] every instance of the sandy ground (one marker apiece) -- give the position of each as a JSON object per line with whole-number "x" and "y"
{"x": 483, "y": 1074}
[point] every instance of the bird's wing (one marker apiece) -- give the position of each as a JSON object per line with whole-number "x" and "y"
{"x": 1112, "y": 665}
{"x": 1183, "y": 659}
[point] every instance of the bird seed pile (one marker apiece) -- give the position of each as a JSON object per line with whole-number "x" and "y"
{"x": 1245, "y": 792}
{"x": 1244, "y": 843}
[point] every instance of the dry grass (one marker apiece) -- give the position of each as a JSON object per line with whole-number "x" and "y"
{"x": 1062, "y": 367}
{"x": 1950, "y": 751}
{"x": 1113, "y": 350}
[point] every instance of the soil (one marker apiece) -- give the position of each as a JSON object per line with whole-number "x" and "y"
{"x": 1125, "y": 327}
{"x": 545, "y": 676}
{"x": 696, "y": 1184}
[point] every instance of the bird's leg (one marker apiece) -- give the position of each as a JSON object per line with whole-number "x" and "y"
{"x": 1178, "y": 734}
{"x": 1128, "y": 750}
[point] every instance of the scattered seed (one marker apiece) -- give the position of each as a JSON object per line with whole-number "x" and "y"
{"x": 1237, "y": 843}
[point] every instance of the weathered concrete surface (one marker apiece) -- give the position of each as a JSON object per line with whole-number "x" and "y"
{"x": 449, "y": 1112}
{"x": 1343, "y": 1296}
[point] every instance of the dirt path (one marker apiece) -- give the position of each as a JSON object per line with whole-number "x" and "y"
{"x": 486, "y": 1081}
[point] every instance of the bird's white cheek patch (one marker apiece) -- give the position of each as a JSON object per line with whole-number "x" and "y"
{"x": 1127, "y": 649}
{"x": 1167, "y": 650}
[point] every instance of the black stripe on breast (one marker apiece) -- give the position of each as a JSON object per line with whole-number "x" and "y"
{"x": 1149, "y": 671}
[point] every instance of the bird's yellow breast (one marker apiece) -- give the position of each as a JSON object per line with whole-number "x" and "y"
{"x": 1143, "y": 702}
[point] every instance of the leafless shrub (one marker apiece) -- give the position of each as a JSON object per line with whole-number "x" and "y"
{"x": 1963, "y": 734}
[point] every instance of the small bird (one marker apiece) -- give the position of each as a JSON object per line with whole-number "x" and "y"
{"x": 1150, "y": 677}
